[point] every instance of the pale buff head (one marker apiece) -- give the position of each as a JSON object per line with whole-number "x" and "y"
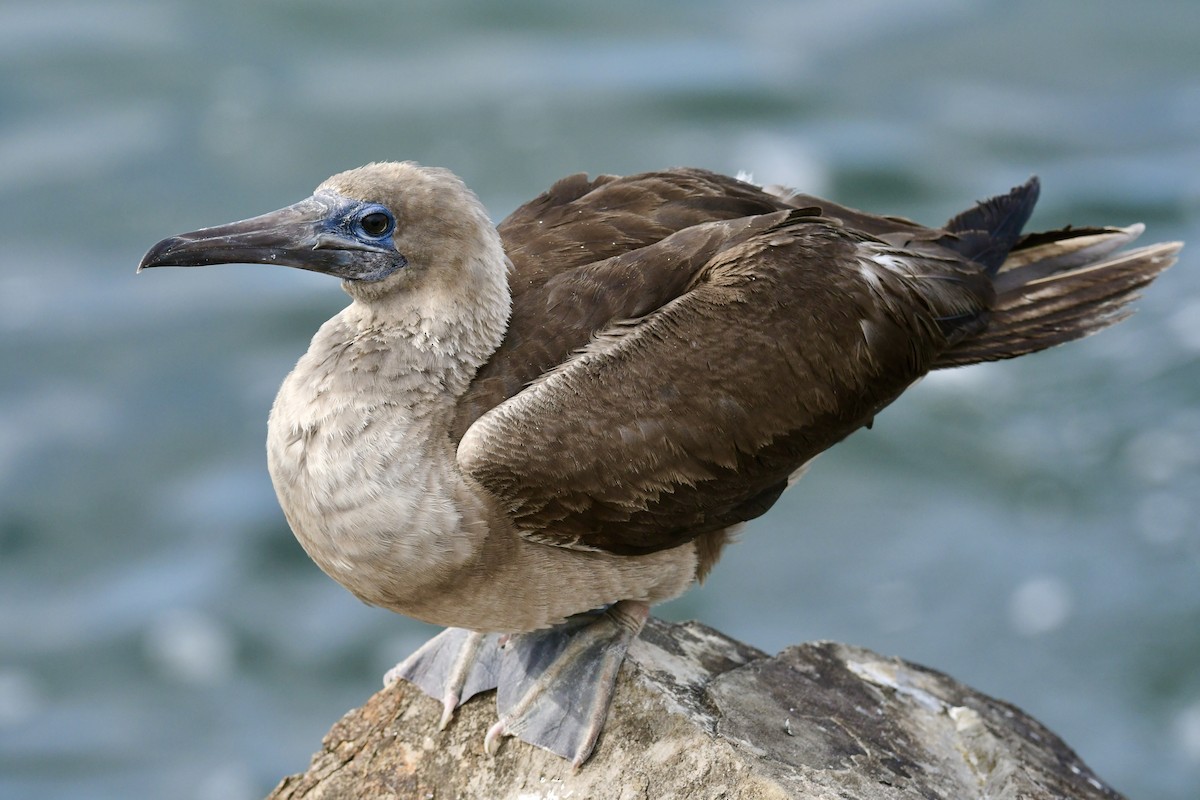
{"x": 441, "y": 229}
{"x": 413, "y": 246}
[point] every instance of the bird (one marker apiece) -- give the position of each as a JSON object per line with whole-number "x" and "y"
{"x": 532, "y": 432}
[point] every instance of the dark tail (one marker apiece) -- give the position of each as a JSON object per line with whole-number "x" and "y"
{"x": 987, "y": 232}
{"x": 1052, "y": 287}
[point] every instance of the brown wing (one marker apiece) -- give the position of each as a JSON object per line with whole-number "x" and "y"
{"x": 734, "y": 352}
{"x": 560, "y": 300}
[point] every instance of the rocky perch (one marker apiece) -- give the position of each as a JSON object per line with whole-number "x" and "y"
{"x": 699, "y": 715}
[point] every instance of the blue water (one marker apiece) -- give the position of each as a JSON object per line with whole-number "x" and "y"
{"x": 1029, "y": 527}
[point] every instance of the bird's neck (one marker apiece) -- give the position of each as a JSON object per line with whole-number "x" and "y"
{"x": 441, "y": 335}
{"x": 405, "y": 354}
{"x": 442, "y": 317}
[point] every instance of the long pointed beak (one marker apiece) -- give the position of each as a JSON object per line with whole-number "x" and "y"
{"x": 313, "y": 234}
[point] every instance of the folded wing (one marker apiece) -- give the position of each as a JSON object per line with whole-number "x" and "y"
{"x": 677, "y": 384}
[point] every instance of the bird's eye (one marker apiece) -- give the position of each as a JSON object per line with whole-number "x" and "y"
{"x": 376, "y": 223}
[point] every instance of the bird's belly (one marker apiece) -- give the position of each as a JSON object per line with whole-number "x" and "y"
{"x": 438, "y": 561}
{"x": 384, "y": 511}
{"x": 368, "y": 504}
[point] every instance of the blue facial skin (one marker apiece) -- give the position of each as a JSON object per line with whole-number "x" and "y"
{"x": 361, "y": 230}
{"x": 349, "y": 239}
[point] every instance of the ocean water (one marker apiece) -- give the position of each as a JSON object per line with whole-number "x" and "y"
{"x": 1029, "y": 527}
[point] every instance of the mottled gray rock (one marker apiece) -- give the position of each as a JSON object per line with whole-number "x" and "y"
{"x": 699, "y": 715}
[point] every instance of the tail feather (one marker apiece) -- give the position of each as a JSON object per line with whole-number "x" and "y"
{"x": 1040, "y": 255}
{"x": 987, "y": 231}
{"x": 1059, "y": 286}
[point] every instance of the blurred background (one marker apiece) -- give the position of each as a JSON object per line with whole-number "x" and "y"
{"x": 1029, "y": 527}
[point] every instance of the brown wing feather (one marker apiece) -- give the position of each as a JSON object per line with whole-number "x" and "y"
{"x": 691, "y": 417}
{"x": 580, "y": 221}
{"x": 560, "y": 302}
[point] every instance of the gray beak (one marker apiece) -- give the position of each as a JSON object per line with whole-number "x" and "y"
{"x": 323, "y": 233}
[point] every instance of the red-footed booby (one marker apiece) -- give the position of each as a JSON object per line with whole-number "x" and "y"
{"x": 532, "y": 432}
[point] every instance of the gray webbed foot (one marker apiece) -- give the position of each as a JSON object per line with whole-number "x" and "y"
{"x": 452, "y": 667}
{"x": 556, "y": 684}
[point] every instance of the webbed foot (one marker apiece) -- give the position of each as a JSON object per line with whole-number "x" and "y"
{"x": 452, "y": 667}
{"x": 556, "y": 684}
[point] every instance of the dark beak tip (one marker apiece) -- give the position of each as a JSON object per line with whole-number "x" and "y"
{"x": 157, "y": 256}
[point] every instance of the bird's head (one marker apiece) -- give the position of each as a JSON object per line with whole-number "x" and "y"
{"x": 385, "y": 229}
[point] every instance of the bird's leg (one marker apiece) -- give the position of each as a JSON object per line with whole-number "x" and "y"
{"x": 556, "y": 684}
{"x": 452, "y": 667}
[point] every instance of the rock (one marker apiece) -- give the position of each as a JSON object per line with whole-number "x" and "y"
{"x": 699, "y": 715}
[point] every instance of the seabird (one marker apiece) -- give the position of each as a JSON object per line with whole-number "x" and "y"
{"x": 532, "y": 432}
